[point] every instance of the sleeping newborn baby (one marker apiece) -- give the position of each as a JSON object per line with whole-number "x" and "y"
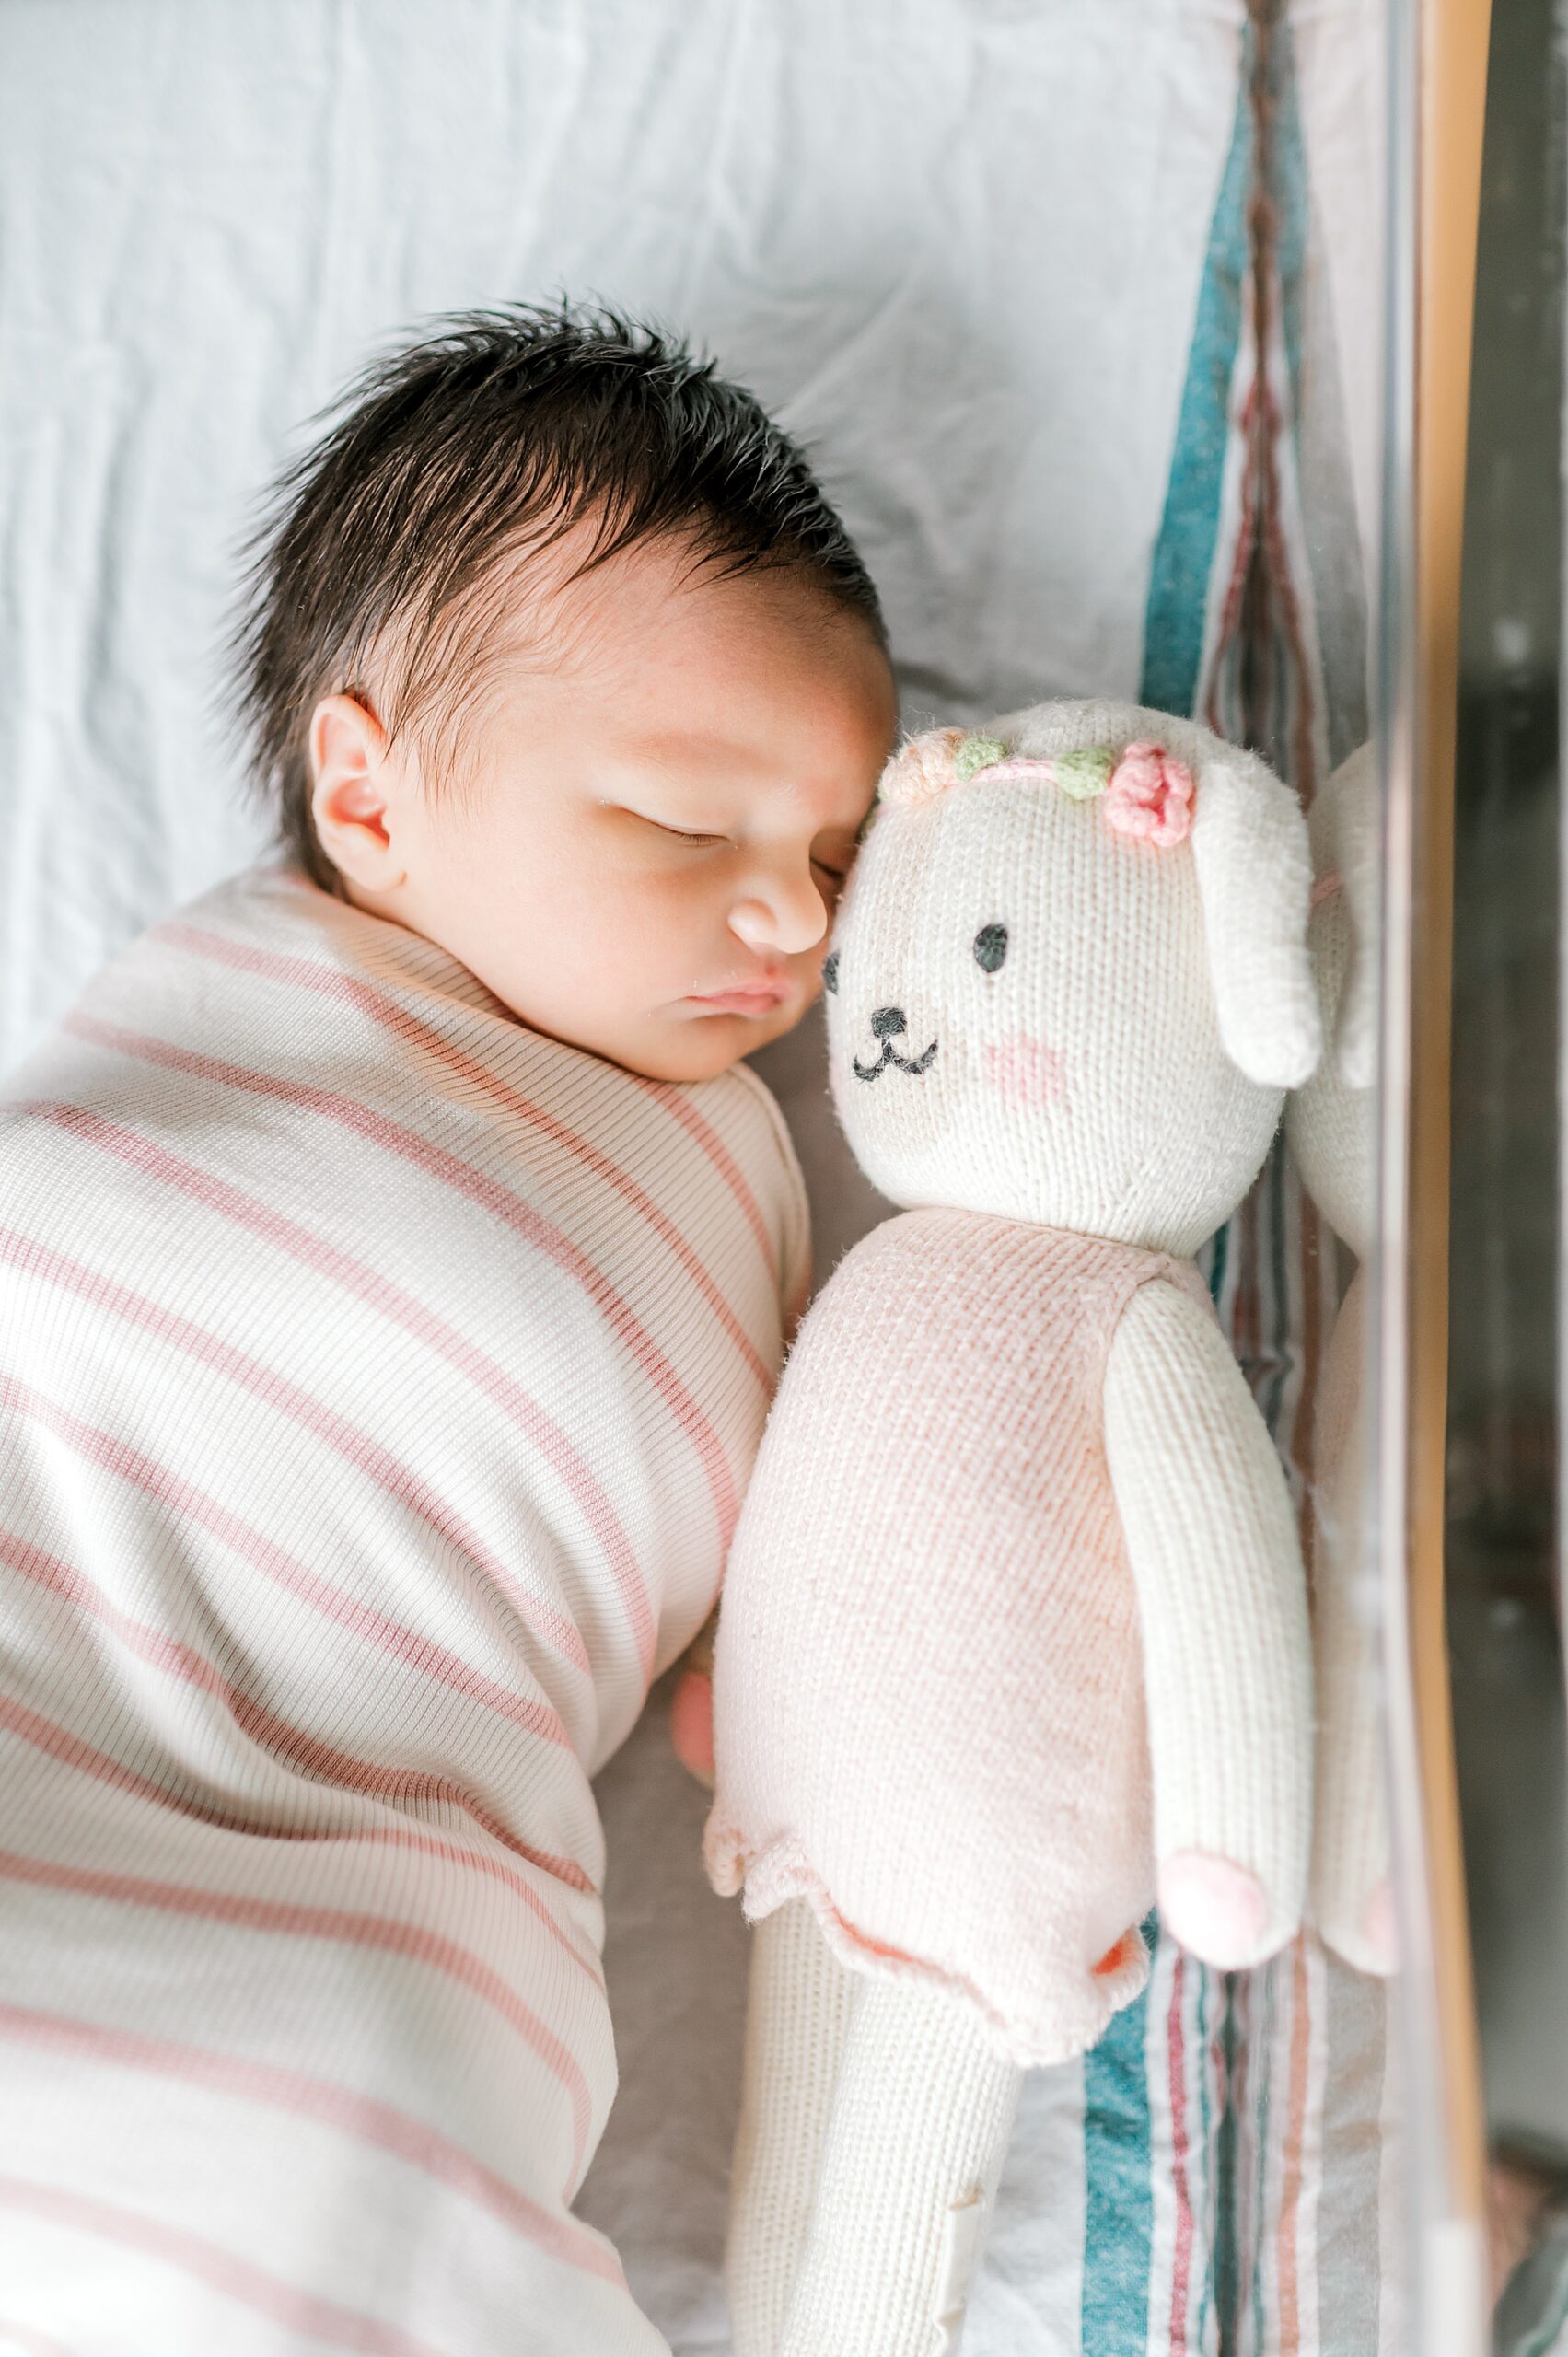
{"x": 395, "y": 1258}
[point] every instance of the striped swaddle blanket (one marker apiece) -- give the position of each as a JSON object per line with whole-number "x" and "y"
{"x": 378, "y": 1382}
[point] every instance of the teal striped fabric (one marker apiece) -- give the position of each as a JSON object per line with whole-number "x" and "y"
{"x": 1234, "y": 2147}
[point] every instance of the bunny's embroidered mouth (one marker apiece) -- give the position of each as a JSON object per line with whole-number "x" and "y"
{"x": 886, "y": 1025}
{"x": 890, "y": 1056}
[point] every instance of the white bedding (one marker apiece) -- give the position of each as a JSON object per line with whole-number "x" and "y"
{"x": 955, "y": 242}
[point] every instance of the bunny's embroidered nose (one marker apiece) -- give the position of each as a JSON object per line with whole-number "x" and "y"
{"x": 887, "y": 1024}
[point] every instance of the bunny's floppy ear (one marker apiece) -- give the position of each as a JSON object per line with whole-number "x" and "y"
{"x": 1345, "y": 827}
{"x": 1254, "y": 872}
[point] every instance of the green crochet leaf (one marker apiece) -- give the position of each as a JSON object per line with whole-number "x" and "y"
{"x": 977, "y": 753}
{"x": 1084, "y": 774}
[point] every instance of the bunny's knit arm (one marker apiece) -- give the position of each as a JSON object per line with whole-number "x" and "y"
{"x": 1211, "y": 1543}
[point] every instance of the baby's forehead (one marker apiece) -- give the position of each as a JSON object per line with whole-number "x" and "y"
{"x": 755, "y": 679}
{"x": 658, "y": 611}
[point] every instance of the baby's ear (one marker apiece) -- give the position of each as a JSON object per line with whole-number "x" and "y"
{"x": 1344, "y": 827}
{"x": 1255, "y": 881}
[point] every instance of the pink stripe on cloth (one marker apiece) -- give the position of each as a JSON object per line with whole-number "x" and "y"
{"x": 327, "y": 982}
{"x": 1181, "y": 2259}
{"x": 1287, "y": 2260}
{"x": 379, "y": 1629}
{"x": 34, "y": 2344}
{"x": 276, "y": 1734}
{"x": 410, "y": 1942}
{"x": 679, "y": 1105}
{"x": 298, "y": 2311}
{"x": 399, "y": 1308}
{"x": 57, "y": 1743}
{"x": 343, "y": 2110}
{"x": 291, "y": 1399}
{"x": 463, "y": 1179}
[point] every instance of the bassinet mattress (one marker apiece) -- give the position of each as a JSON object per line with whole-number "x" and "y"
{"x": 899, "y": 221}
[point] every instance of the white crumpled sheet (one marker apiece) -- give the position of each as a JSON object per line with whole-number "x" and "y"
{"x": 954, "y": 242}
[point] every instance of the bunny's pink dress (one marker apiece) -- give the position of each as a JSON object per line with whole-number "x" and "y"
{"x": 929, "y": 1701}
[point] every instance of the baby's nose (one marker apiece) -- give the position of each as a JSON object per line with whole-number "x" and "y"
{"x": 887, "y": 1022}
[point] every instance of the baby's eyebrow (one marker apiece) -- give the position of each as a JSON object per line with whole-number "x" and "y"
{"x": 675, "y": 752}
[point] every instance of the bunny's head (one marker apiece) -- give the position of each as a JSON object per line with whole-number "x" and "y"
{"x": 1329, "y": 1122}
{"x": 1069, "y": 983}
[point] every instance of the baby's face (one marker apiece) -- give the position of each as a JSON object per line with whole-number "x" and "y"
{"x": 651, "y": 808}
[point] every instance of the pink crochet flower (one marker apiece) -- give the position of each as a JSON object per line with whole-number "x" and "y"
{"x": 1150, "y": 794}
{"x": 924, "y": 768}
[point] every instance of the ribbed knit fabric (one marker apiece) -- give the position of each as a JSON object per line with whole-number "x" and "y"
{"x": 930, "y": 1716}
{"x": 909, "y": 2171}
{"x": 1211, "y": 1536}
{"x": 379, "y": 1381}
{"x": 797, "y": 2020}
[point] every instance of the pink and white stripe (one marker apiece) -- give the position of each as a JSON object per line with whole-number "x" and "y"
{"x": 377, "y": 1379}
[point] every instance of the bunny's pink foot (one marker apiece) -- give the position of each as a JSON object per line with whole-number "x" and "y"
{"x": 1380, "y": 1930}
{"x": 1216, "y": 1910}
{"x": 1366, "y": 1939}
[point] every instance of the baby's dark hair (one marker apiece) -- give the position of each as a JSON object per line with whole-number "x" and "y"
{"x": 500, "y": 433}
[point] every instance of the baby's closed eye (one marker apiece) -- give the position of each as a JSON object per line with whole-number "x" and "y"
{"x": 689, "y": 834}
{"x": 697, "y": 836}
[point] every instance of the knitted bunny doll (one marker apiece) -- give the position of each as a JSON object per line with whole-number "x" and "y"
{"x": 1014, "y": 1636}
{"x": 1329, "y": 1125}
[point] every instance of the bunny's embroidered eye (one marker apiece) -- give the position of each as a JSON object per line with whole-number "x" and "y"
{"x": 990, "y": 947}
{"x": 831, "y": 970}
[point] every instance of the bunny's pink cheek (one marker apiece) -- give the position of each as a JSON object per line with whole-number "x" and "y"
{"x": 1026, "y": 1072}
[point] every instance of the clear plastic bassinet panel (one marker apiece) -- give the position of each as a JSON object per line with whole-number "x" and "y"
{"x": 1505, "y": 1396}
{"x": 1431, "y": 1502}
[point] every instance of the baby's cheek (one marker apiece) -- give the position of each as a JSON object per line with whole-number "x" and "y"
{"x": 1025, "y": 1071}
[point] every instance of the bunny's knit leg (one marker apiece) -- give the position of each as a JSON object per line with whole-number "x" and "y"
{"x": 1351, "y": 1899}
{"x": 797, "y": 2022}
{"x": 920, "y": 2123}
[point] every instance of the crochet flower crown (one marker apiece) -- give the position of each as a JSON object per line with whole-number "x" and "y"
{"x": 1142, "y": 790}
